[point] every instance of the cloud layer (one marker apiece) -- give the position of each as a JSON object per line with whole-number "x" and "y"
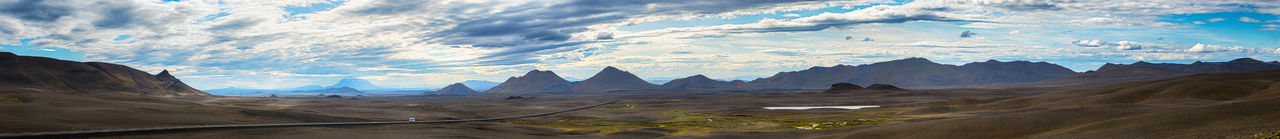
{"x": 263, "y": 44}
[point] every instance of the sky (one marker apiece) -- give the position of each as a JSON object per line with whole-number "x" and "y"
{"x": 261, "y": 44}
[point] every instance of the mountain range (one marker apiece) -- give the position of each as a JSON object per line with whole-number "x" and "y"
{"x": 914, "y": 73}
{"x": 52, "y": 75}
{"x": 1237, "y": 65}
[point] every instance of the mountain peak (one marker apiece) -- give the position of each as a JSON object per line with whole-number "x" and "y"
{"x": 165, "y": 76}
{"x": 611, "y": 68}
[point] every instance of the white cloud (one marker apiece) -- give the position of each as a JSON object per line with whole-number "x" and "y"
{"x": 1211, "y": 20}
{"x": 46, "y": 49}
{"x": 1197, "y": 22}
{"x": 1250, "y": 20}
{"x": 1203, "y": 48}
{"x": 1015, "y": 32}
{"x": 791, "y": 15}
{"x": 1120, "y": 45}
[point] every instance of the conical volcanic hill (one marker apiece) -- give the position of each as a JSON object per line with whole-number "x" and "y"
{"x": 455, "y": 88}
{"x": 698, "y": 81}
{"x": 611, "y": 79}
{"x": 536, "y": 81}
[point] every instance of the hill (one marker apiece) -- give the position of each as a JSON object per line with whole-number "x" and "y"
{"x": 55, "y": 75}
{"x": 698, "y": 81}
{"x": 610, "y": 79}
{"x": 456, "y": 88}
{"x": 535, "y": 81}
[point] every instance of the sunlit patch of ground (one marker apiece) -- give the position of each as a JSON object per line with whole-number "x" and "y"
{"x": 693, "y": 122}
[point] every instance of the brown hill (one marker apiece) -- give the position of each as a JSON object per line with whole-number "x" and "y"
{"x": 455, "y": 88}
{"x": 698, "y": 81}
{"x": 840, "y": 87}
{"x": 914, "y": 73}
{"x": 611, "y": 79}
{"x": 536, "y": 81}
{"x": 87, "y": 77}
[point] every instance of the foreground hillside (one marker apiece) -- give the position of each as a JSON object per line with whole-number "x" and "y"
{"x": 1198, "y": 106}
{"x": 51, "y": 75}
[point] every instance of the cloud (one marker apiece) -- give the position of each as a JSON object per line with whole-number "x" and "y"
{"x": 967, "y": 34}
{"x": 1120, "y": 45}
{"x": 1211, "y": 20}
{"x": 1015, "y": 32}
{"x": 1197, "y": 22}
{"x": 784, "y": 52}
{"x": 46, "y": 49}
{"x": 1250, "y": 20}
{"x": 791, "y": 15}
{"x": 1205, "y": 48}
{"x": 867, "y": 39}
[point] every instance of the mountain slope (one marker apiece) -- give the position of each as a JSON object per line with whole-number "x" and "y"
{"x": 914, "y": 73}
{"x": 535, "y": 81}
{"x": 697, "y": 81}
{"x": 610, "y": 79}
{"x": 87, "y": 77}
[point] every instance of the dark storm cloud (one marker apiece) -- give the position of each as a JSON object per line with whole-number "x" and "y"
{"x": 120, "y": 16}
{"x": 35, "y": 10}
{"x": 540, "y": 29}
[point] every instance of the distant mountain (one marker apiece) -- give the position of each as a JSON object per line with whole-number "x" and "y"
{"x": 237, "y": 91}
{"x": 339, "y": 90}
{"x": 610, "y": 79}
{"x": 360, "y": 84}
{"x": 47, "y": 74}
{"x": 1237, "y": 65}
{"x": 308, "y": 87}
{"x": 456, "y": 88}
{"x": 914, "y": 73}
{"x": 659, "y": 80}
{"x": 480, "y": 85}
{"x": 536, "y": 81}
{"x": 698, "y": 81}
{"x": 572, "y": 79}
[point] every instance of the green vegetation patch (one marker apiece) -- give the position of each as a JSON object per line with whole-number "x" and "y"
{"x": 1272, "y": 135}
{"x": 691, "y": 122}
